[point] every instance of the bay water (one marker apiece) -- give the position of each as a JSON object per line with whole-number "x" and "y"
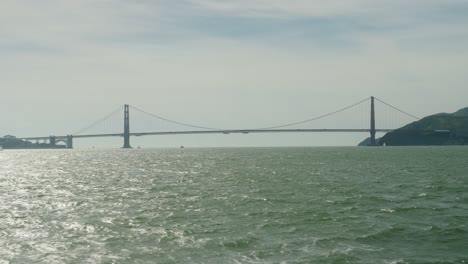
{"x": 235, "y": 205}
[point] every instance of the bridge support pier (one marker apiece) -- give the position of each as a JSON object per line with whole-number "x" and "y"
{"x": 373, "y": 142}
{"x": 69, "y": 141}
{"x": 126, "y": 134}
{"x": 52, "y": 140}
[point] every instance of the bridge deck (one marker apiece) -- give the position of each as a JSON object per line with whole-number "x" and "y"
{"x": 228, "y": 131}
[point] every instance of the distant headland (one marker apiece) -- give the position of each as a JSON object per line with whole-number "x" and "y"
{"x": 11, "y": 142}
{"x": 433, "y": 130}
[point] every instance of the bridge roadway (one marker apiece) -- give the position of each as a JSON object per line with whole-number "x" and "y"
{"x": 196, "y": 132}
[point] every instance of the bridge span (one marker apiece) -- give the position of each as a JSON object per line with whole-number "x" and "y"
{"x": 69, "y": 138}
{"x": 126, "y": 134}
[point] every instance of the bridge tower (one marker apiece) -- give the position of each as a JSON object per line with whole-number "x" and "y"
{"x": 126, "y": 134}
{"x": 69, "y": 141}
{"x": 372, "y": 124}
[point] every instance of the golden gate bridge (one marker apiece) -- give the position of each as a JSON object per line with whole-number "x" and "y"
{"x": 155, "y": 125}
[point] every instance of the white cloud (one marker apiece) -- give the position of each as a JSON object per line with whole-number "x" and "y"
{"x": 282, "y": 8}
{"x": 288, "y": 8}
{"x": 63, "y": 25}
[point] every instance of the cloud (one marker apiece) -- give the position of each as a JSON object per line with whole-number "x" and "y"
{"x": 70, "y": 25}
{"x": 284, "y": 9}
{"x": 291, "y": 8}
{"x": 334, "y": 17}
{"x": 60, "y": 26}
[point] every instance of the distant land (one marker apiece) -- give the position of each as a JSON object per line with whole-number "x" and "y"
{"x": 11, "y": 142}
{"x": 433, "y": 130}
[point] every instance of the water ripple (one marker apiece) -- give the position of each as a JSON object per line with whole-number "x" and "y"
{"x": 288, "y": 205}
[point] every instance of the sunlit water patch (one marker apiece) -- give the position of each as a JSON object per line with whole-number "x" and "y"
{"x": 270, "y": 205}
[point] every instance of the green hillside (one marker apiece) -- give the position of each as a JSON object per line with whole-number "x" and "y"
{"x": 438, "y": 129}
{"x": 461, "y": 112}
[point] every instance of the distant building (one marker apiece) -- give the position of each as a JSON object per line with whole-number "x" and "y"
{"x": 9, "y": 137}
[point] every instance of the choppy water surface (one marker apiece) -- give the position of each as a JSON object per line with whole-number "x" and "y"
{"x": 271, "y": 205}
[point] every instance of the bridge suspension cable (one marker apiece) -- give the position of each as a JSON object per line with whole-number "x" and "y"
{"x": 318, "y": 117}
{"x": 97, "y": 122}
{"x": 399, "y": 110}
{"x": 145, "y": 122}
{"x": 172, "y": 121}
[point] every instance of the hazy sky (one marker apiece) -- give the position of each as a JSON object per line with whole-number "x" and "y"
{"x": 228, "y": 64}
